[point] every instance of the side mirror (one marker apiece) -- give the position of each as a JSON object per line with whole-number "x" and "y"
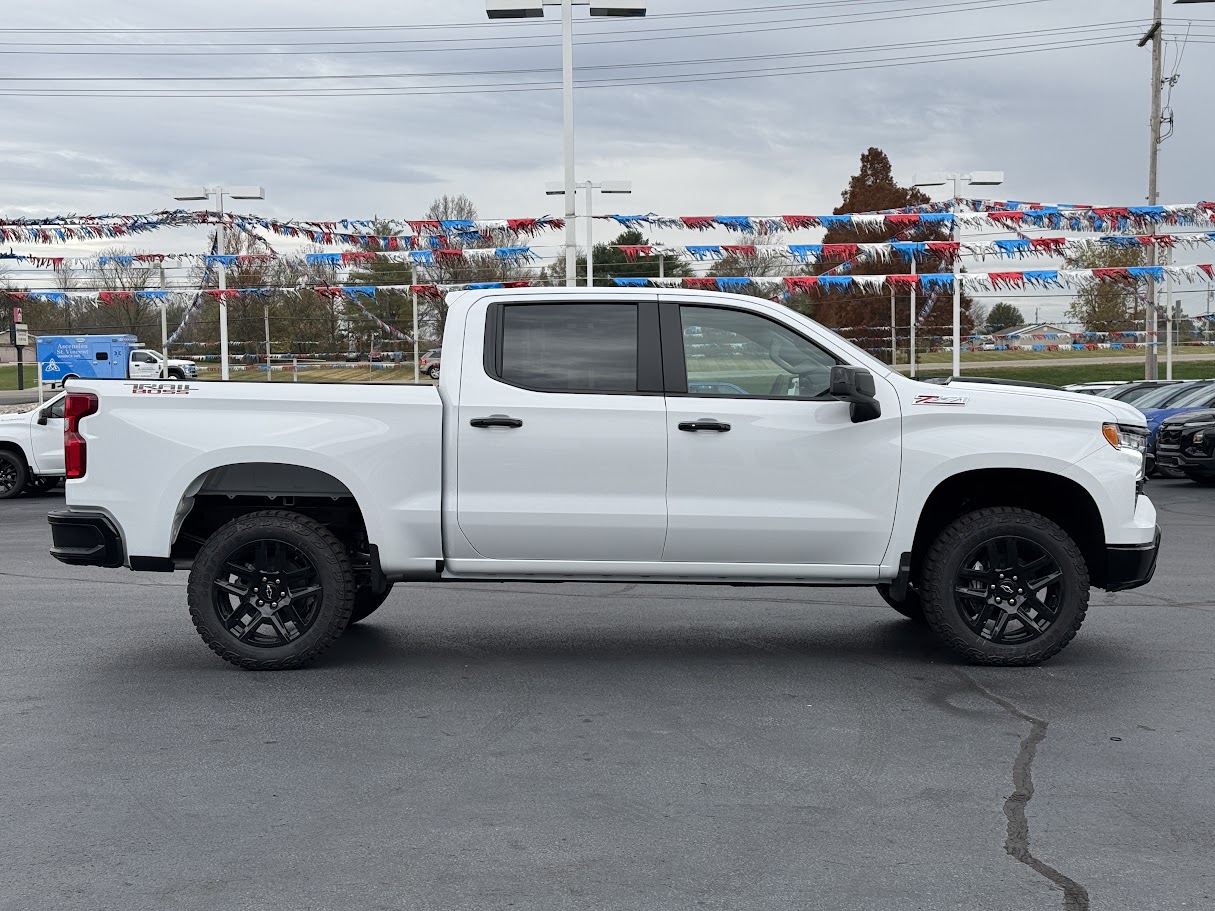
{"x": 43, "y": 416}
{"x": 856, "y": 385}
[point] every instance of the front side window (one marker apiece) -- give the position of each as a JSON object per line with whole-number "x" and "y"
{"x": 570, "y": 347}
{"x": 733, "y": 353}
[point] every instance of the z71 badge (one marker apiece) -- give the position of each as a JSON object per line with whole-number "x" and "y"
{"x": 160, "y": 388}
{"x": 941, "y": 399}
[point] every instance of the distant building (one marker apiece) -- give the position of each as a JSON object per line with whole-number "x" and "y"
{"x": 1032, "y": 336}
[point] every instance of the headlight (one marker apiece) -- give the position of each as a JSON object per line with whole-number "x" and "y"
{"x": 1198, "y": 436}
{"x": 1124, "y": 436}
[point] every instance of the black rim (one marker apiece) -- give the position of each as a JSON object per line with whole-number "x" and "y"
{"x": 1009, "y": 590}
{"x": 8, "y": 476}
{"x": 268, "y": 594}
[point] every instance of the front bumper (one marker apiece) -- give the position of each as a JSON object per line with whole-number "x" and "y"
{"x": 85, "y": 539}
{"x": 1131, "y": 565}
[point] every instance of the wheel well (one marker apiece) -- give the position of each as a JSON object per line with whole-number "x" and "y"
{"x": 16, "y": 450}
{"x": 226, "y": 493}
{"x": 1059, "y": 499}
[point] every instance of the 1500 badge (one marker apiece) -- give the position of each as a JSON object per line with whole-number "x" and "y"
{"x": 941, "y": 399}
{"x": 160, "y": 388}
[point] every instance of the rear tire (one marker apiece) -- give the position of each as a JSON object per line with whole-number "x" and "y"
{"x": 910, "y": 607}
{"x": 13, "y": 475}
{"x": 37, "y": 486}
{"x": 271, "y": 590}
{"x": 366, "y": 601}
{"x": 433, "y": 373}
{"x": 1004, "y": 586}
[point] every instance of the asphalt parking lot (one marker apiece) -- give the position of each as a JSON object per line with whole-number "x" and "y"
{"x": 606, "y": 747}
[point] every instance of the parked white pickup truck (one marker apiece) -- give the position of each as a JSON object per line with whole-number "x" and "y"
{"x": 31, "y": 449}
{"x": 594, "y": 435}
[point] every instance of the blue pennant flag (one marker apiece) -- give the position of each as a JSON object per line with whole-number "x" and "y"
{"x": 805, "y": 251}
{"x": 313, "y": 259}
{"x": 1013, "y": 247}
{"x": 907, "y": 250}
{"x": 1153, "y": 272}
{"x": 728, "y": 282}
{"x": 835, "y": 282}
{"x": 482, "y": 286}
{"x": 631, "y": 282}
{"x": 937, "y": 281}
{"x": 365, "y": 290}
{"x": 835, "y": 221}
{"x": 457, "y": 225}
{"x": 422, "y": 257}
{"x": 705, "y": 252}
{"x": 735, "y": 223}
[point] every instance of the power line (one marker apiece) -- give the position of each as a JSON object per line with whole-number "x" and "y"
{"x": 616, "y": 82}
{"x": 633, "y": 35}
{"x": 1093, "y": 30}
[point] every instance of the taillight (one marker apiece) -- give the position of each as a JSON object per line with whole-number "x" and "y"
{"x": 77, "y": 405}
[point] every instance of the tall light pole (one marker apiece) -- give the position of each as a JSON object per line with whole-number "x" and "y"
{"x": 622, "y": 187}
{"x": 974, "y": 179}
{"x": 529, "y": 9}
{"x": 1155, "y": 35}
{"x": 219, "y": 193}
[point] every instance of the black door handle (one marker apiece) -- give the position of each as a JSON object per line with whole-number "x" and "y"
{"x": 704, "y": 424}
{"x": 496, "y": 420}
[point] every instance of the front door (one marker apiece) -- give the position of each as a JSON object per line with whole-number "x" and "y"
{"x": 144, "y": 366}
{"x": 47, "y": 439}
{"x": 562, "y": 442}
{"x": 763, "y": 466}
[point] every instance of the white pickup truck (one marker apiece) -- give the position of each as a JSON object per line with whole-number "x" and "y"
{"x": 614, "y": 434}
{"x": 31, "y": 449}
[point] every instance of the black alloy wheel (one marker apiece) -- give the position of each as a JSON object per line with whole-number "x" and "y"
{"x": 271, "y": 590}
{"x": 1004, "y": 586}
{"x": 1008, "y": 590}
{"x": 13, "y": 475}
{"x": 268, "y": 593}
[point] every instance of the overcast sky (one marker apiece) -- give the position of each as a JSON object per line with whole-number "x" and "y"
{"x": 1066, "y": 125}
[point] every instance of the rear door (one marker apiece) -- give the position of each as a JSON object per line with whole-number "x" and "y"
{"x": 764, "y": 467}
{"x": 562, "y": 438}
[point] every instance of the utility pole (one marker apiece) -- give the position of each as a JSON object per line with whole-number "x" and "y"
{"x": 1155, "y": 35}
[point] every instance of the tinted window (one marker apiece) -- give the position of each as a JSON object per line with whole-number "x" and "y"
{"x": 570, "y": 347}
{"x": 56, "y": 410}
{"x": 103, "y": 356}
{"x": 731, "y": 352}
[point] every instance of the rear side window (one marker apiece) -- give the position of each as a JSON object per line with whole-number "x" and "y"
{"x": 570, "y": 347}
{"x": 103, "y": 355}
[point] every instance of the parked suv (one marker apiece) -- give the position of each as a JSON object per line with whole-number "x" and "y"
{"x": 1186, "y": 443}
{"x": 429, "y": 364}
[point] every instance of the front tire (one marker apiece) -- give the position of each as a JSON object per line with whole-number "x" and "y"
{"x": 1004, "y": 586}
{"x": 271, "y": 590}
{"x": 13, "y": 475}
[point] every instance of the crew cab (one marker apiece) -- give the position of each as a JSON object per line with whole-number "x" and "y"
{"x": 575, "y": 437}
{"x": 31, "y": 449}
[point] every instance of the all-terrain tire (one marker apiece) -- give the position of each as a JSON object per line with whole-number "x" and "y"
{"x": 910, "y": 607}
{"x": 366, "y": 601}
{"x": 942, "y": 570}
{"x": 307, "y": 542}
{"x": 14, "y": 475}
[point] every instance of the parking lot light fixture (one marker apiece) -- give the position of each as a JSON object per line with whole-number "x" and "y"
{"x": 619, "y": 187}
{"x": 974, "y": 179}
{"x": 201, "y": 193}
{"x": 530, "y": 9}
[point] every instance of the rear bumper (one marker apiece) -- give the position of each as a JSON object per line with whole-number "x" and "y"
{"x": 85, "y": 539}
{"x": 1130, "y": 566}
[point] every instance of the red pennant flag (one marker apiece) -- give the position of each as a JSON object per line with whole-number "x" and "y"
{"x": 801, "y": 283}
{"x": 903, "y": 281}
{"x": 632, "y": 252}
{"x": 903, "y": 219}
{"x": 1112, "y": 275}
{"x": 838, "y": 253}
{"x": 1049, "y": 244}
{"x": 740, "y": 250}
{"x": 1015, "y": 217}
{"x": 946, "y": 249}
{"x": 697, "y": 222}
{"x": 704, "y": 284}
{"x": 798, "y": 222}
{"x": 1007, "y": 280}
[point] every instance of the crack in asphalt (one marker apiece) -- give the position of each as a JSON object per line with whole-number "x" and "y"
{"x": 1016, "y": 842}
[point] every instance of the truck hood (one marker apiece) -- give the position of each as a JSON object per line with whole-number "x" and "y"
{"x": 992, "y": 396}
{"x": 177, "y": 362}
